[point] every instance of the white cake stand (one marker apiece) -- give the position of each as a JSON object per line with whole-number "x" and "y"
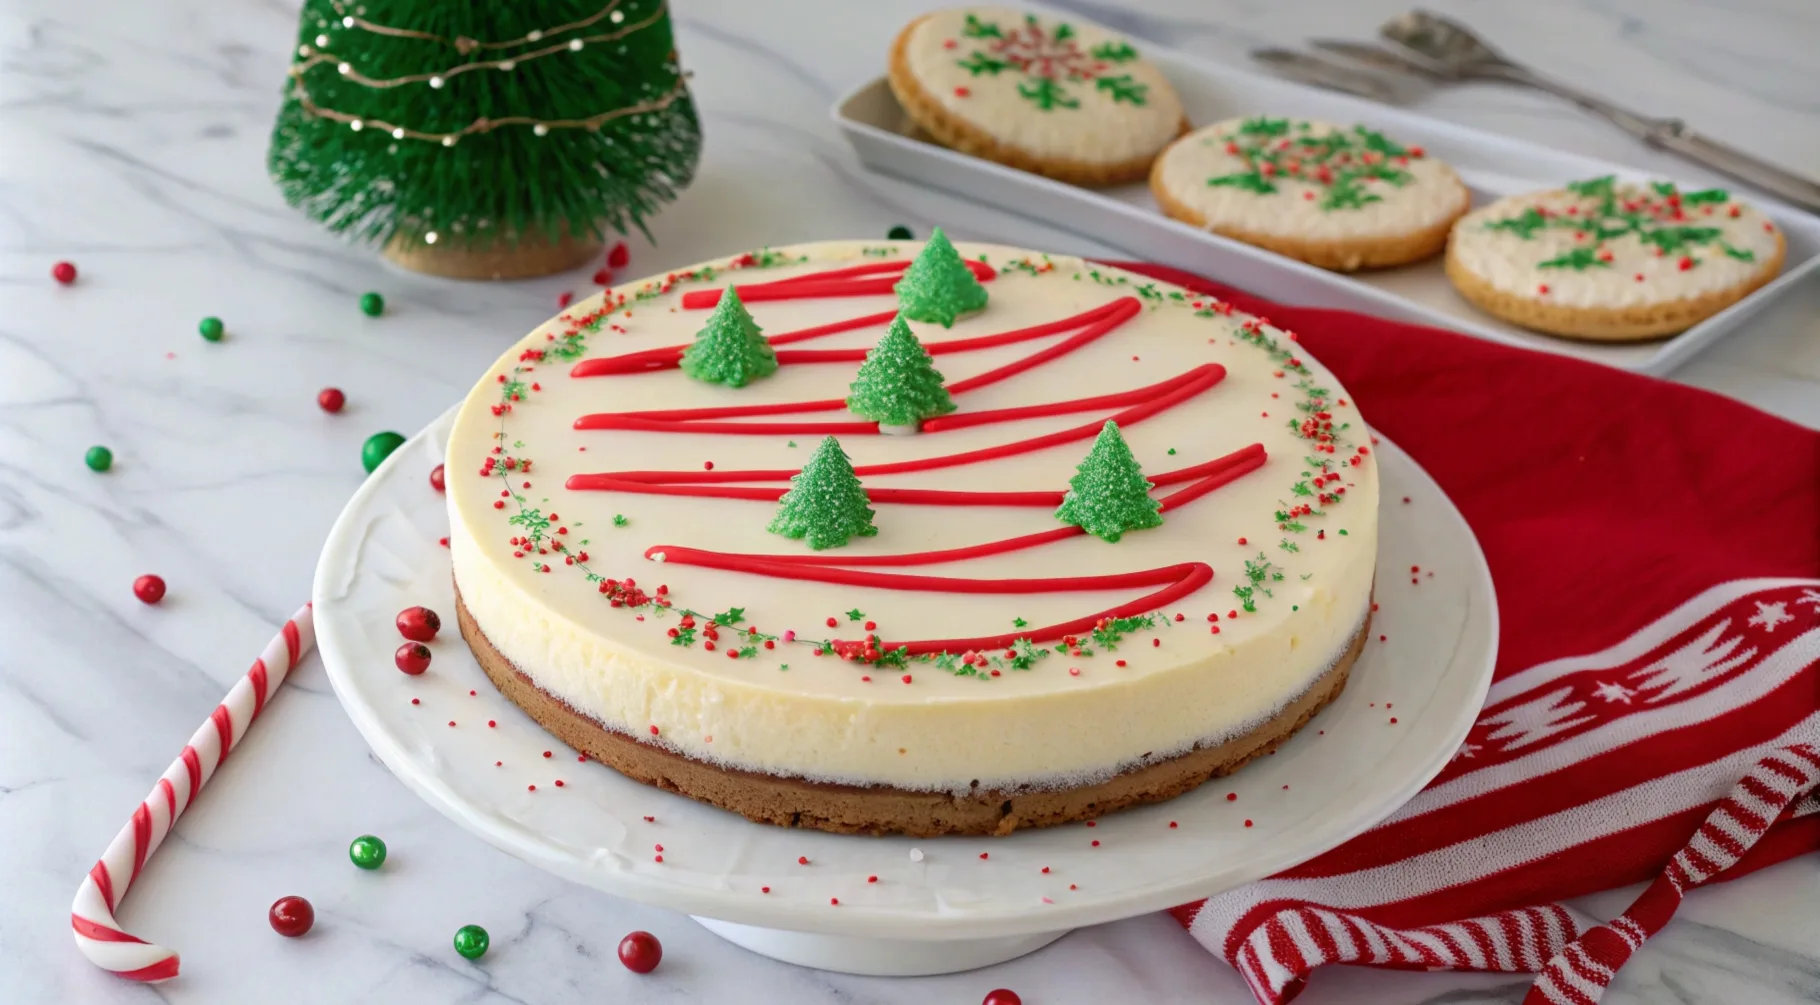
{"x": 898, "y": 906}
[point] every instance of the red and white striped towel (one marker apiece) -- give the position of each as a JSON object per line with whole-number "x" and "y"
{"x": 1655, "y": 715}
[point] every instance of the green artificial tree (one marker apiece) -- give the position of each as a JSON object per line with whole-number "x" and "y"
{"x": 898, "y": 385}
{"x": 825, "y": 504}
{"x": 484, "y": 140}
{"x": 730, "y": 349}
{"x": 1109, "y": 494}
{"x": 938, "y": 286}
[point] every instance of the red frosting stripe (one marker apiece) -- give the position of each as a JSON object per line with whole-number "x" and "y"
{"x": 667, "y": 357}
{"x": 1100, "y": 320}
{"x": 1177, "y": 580}
{"x": 1196, "y": 381}
{"x": 854, "y": 281}
{"x": 610, "y": 421}
{"x": 1212, "y": 475}
{"x": 1118, "y": 399}
{"x": 888, "y": 496}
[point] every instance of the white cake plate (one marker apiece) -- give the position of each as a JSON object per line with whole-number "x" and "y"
{"x": 898, "y": 906}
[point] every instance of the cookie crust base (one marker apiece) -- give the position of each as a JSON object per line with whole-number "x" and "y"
{"x": 956, "y": 133}
{"x": 1607, "y": 324}
{"x": 1377, "y": 252}
{"x": 856, "y": 809}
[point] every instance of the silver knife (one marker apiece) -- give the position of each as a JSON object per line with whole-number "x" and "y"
{"x": 1324, "y": 73}
{"x": 1377, "y": 57}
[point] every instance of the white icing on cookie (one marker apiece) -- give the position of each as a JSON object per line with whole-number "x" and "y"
{"x": 1308, "y": 180}
{"x": 1607, "y": 244}
{"x": 1052, "y": 88}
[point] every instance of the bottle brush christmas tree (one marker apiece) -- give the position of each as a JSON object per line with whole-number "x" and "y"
{"x": 1109, "y": 494}
{"x": 898, "y": 385}
{"x": 730, "y": 349}
{"x": 484, "y": 140}
{"x": 825, "y": 504}
{"x": 938, "y": 286}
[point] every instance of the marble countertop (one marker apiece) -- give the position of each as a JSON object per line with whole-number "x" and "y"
{"x": 132, "y": 141}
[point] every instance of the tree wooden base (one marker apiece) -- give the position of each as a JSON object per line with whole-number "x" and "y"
{"x": 527, "y": 258}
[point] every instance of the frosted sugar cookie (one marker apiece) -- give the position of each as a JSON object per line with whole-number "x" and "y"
{"x": 1063, "y": 99}
{"x": 1613, "y": 261}
{"x": 1340, "y": 197}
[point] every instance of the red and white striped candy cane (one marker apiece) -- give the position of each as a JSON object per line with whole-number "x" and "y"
{"x": 98, "y": 935}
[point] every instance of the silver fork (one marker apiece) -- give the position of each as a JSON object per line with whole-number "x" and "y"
{"x": 1453, "y": 52}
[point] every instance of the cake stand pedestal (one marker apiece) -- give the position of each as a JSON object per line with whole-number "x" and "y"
{"x": 899, "y": 906}
{"x": 850, "y": 954}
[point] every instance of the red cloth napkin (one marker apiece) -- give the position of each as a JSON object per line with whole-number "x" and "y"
{"x": 1655, "y": 712}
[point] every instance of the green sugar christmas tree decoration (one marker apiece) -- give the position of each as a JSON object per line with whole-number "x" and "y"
{"x": 825, "y": 505}
{"x": 1109, "y": 494}
{"x": 483, "y": 125}
{"x": 938, "y": 286}
{"x": 730, "y": 349}
{"x": 898, "y": 385}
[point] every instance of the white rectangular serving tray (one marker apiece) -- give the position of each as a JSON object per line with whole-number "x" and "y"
{"x": 1126, "y": 216}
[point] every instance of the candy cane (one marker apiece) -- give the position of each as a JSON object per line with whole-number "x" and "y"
{"x": 98, "y": 935}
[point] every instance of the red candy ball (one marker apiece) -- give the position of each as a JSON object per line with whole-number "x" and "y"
{"x": 603, "y": 277}
{"x": 412, "y": 657}
{"x": 291, "y": 916}
{"x": 436, "y": 480}
{"x": 64, "y": 272}
{"x": 149, "y": 589}
{"x": 641, "y": 952}
{"x": 1002, "y": 997}
{"x": 419, "y": 624}
{"x": 330, "y": 399}
{"x": 619, "y": 256}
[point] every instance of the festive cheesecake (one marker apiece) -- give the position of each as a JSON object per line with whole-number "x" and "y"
{"x": 921, "y": 538}
{"x": 1061, "y": 98}
{"x": 1613, "y": 261}
{"x": 1342, "y": 198}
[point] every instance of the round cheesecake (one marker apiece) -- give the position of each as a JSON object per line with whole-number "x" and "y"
{"x": 976, "y": 658}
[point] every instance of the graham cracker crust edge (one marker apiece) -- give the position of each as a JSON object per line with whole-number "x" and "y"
{"x": 854, "y": 809}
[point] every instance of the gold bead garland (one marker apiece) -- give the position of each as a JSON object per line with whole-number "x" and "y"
{"x": 485, "y": 125}
{"x": 466, "y": 45}
{"x": 313, "y": 57}
{"x": 318, "y": 56}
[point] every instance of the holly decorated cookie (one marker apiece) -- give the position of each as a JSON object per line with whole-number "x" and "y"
{"x": 1063, "y": 99}
{"x": 1340, "y": 197}
{"x": 1611, "y": 261}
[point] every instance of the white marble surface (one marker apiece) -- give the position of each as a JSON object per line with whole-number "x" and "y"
{"x": 132, "y": 141}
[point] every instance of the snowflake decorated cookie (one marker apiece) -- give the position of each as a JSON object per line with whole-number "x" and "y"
{"x": 1340, "y": 197}
{"x": 1064, "y": 99}
{"x": 1613, "y": 261}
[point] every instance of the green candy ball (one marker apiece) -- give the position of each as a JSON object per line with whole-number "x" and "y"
{"x": 377, "y": 448}
{"x": 367, "y": 852}
{"x": 900, "y": 233}
{"x": 471, "y": 941}
{"x": 372, "y": 305}
{"x": 98, "y": 458}
{"x": 212, "y": 329}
